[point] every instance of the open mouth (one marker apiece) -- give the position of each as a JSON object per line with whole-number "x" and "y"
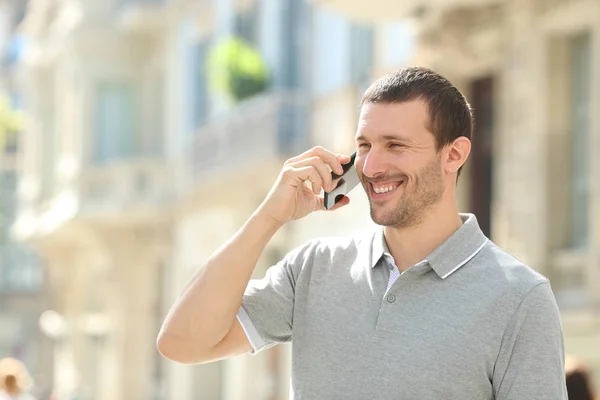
{"x": 383, "y": 190}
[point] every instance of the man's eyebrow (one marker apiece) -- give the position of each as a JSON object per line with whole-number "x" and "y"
{"x": 385, "y": 138}
{"x": 396, "y": 138}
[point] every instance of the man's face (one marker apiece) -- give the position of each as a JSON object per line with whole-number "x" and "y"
{"x": 397, "y": 162}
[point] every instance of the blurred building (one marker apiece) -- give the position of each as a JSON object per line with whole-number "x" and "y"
{"x": 136, "y": 169}
{"x": 529, "y": 69}
{"x": 319, "y": 64}
{"x": 97, "y": 186}
{"x": 22, "y": 290}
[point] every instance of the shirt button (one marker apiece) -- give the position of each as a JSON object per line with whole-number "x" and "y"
{"x": 391, "y": 298}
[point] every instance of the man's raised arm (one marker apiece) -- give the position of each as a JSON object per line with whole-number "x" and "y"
{"x": 201, "y": 326}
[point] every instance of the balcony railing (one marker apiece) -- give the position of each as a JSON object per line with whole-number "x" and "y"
{"x": 391, "y": 10}
{"x": 133, "y": 191}
{"x": 266, "y": 127}
{"x": 128, "y": 186}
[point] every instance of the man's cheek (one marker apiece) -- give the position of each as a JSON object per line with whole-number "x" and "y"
{"x": 359, "y": 170}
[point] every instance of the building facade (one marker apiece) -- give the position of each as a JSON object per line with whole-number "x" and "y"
{"x": 135, "y": 169}
{"x": 97, "y": 187}
{"x": 317, "y": 68}
{"x": 22, "y": 288}
{"x": 530, "y": 70}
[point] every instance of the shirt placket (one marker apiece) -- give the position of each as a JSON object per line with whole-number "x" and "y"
{"x": 394, "y": 272}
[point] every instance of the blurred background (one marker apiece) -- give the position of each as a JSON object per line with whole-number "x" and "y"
{"x": 137, "y": 135}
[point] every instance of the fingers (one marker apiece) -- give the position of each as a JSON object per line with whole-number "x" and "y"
{"x": 316, "y": 166}
{"x": 343, "y": 158}
{"x": 334, "y": 161}
{"x": 306, "y": 173}
{"x": 319, "y": 165}
{"x": 344, "y": 201}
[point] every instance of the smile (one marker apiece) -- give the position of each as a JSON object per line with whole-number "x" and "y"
{"x": 381, "y": 190}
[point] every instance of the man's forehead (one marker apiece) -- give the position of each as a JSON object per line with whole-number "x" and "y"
{"x": 394, "y": 122}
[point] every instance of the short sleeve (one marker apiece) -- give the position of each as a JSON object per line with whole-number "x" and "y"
{"x": 530, "y": 364}
{"x": 266, "y": 314}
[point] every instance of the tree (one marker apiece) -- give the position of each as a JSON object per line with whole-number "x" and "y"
{"x": 236, "y": 69}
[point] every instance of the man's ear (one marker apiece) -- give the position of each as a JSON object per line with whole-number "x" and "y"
{"x": 457, "y": 153}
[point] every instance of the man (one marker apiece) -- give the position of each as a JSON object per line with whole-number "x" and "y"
{"x": 424, "y": 308}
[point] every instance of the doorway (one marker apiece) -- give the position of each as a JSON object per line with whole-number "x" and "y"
{"x": 482, "y": 154}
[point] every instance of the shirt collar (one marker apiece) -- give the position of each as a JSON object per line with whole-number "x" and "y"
{"x": 455, "y": 252}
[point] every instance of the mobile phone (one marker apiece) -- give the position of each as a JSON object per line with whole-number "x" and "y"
{"x": 347, "y": 181}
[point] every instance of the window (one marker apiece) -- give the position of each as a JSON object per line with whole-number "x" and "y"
{"x": 49, "y": 151}
{"x": 8, "y": 191}
{"x": 361, "y": 54}
{"x": 580, "y": 135}
{"x": 45, "y": 113}
{"x": 150, "y": 142}
{"x": 331, "y": 52}
{"x": 343, "y": 52}
{"x": 19, "y": 269}
{"x": 569, "y": 285}
{"x": 115, "y": 122}
{"x": 199, "y": 87}
{"x": 285, "y": 37}
{"x": 11, "y": 142}
{"x": 569, "y": 173}
{"x": 398, "y": 43}
{"x": 246, "y": 24}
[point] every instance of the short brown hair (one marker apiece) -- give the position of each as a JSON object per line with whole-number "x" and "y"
{"x": 449, "y": 111}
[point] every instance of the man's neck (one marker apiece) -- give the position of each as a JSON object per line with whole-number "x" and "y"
{"x": 411, "y": 245}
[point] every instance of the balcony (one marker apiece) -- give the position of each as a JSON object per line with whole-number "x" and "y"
{"x": 125, "y": 193}
{"x": 267, "y": 128}
{"x": 393, "y": 10}
{"x": 142, "y": 16}
{"x": 124, "y": 190}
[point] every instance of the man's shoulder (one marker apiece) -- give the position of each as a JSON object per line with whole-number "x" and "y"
{"x": 507, "y": 271}
{"x": 333, "y": 247}
{"x": 342, "y": 243}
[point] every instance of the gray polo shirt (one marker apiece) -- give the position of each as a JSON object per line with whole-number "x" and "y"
{"x": 469, "y": 322}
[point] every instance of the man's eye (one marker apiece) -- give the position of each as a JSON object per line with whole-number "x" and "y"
{"x": 363, "y": 145}
{"x": 396, "y": 145}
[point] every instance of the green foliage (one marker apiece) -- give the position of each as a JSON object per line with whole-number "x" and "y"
{"x": 11, "y": 122}
{"x": 236, "y": 69}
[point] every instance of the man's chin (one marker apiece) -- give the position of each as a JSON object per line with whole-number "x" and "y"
{"x": 394, "y": 218}
{"x": 384, "y": 222}
{"x": 380, "y": 217}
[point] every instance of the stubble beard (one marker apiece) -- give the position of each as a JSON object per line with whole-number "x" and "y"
{"x": 427, "y": 191}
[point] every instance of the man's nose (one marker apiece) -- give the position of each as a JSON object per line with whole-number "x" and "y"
{"x": 374, "y": 164}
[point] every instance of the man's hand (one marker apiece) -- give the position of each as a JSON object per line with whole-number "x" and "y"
{"x": 291, "y": 198}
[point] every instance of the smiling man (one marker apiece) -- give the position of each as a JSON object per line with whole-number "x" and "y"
{"x": 426, "y": 307}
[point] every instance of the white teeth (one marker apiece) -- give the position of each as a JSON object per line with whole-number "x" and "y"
{"x": 384, "y": 189}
